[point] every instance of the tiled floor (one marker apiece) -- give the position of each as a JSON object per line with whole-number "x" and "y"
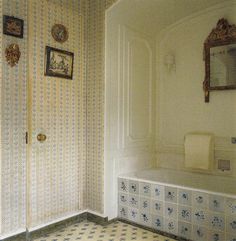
{"x": 116, "y": 231}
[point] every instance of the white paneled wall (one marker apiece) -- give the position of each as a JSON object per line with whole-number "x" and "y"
{"x": 129, "y": 107}
{"x": 181, "y": 108}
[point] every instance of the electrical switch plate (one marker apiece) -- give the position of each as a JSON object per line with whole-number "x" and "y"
{"x": 224, "y": 165}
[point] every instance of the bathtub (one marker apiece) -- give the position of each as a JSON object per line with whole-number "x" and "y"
{"x": 203, "y": 182}
{"x": 192, "y": 206}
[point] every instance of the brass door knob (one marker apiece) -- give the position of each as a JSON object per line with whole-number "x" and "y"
{"x": 41, "y": 137}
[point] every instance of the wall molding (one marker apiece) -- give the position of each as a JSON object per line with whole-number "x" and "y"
{"x": 130, "y": 135}
{"x": 219, "y": 6}
{"x": 111, "y": 4}
{"x": 127, "y": 36}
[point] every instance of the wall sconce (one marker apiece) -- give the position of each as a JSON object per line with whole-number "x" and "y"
{"x": 169, "y": 62}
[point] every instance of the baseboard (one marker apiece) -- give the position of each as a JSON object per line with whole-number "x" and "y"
{"x": 55, "y": 226}
{"x": 44, "y": 230}
{"x": 17, "y": 237}
{"x": 74, "y": 215}
{"x": 97, "y": 219}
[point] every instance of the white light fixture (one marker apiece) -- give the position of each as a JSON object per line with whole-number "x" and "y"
{"x": 169, "y": 62}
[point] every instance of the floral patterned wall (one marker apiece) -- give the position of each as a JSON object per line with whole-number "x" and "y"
{"x": 56, "y": 171}
{"x": 95, "y": 102}
{"x": 66, "y": 174}
{"x": 13, "y": 126}
{"x": 57, "y": 168}
{"x": 1, "y": 36}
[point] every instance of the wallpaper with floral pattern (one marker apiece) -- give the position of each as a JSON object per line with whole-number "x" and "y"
{"x": 64, "y": 175}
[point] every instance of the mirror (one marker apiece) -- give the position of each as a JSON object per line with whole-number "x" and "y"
{"x": 223, "y": 66}
{"x": 220, "y": 58}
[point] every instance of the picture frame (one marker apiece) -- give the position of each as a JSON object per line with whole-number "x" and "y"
{"x": 58, "y": 63}
{"x": 13, "y": 26}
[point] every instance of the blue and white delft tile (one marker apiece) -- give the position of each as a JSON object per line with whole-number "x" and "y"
{"x": 230, "y": 237}
{"x": 123, "y": 185}
{"x": 171, "y": 194}
{"x": 134, "y": 201}
{"x": 157, "y": 192}
{"x": 133, "y": 215}
{"x": 217, "y": 222}
{"x": 145, "y": 219}
{"x": 170, "y": 210}
{"x": 231, "y": 224}
{"x": 123, "y": 199}
{"x": 199, "y": 233}
{"x": 145, "y": 189}
{"x": 170, "y": 226}
{"x": 157, "y": 207}
{"x": 200, "y": 200}
{"x": 157, "y": 222}
{"x": 230, "y": 206}
{"x": 200, "y": 217}
{"x": 185, "y": 197}
{"x": 184, "y": 230}
{"x": 133, "y": 187}
{"x": 216, "y": 203}
{"x": 185, "y": 213}
{"x": 123, "y": 212}
{"x": 216, "y": 236}
{"x": 144, "y": 204}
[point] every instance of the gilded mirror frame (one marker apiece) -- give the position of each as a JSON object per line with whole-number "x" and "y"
{"x": 224, "y": 34}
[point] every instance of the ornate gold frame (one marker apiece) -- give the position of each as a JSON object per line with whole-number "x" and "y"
{"x": 223, "y": 34}
{"x": 12, "y": 53}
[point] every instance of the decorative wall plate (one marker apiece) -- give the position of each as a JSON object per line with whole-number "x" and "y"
{"x": 12, "y": 54}
{"x": 60, "y": 33}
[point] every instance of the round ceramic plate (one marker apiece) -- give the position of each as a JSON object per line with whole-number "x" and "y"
{"x": 60, "y": 33}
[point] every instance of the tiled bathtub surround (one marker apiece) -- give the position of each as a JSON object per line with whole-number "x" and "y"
{"x": 184, "y": 212}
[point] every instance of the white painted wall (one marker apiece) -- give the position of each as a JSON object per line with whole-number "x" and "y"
{"x": 129, "y": 107}
{"x": 180, "y": 99}
{"x": 180, "y": 106}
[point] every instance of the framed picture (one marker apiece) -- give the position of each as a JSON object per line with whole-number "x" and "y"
{"x": 59, "y": 63}
{"x": 13, "y": 26}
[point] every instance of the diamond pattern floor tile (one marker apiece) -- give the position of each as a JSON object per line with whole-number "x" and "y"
{"x": 89, "y": 231}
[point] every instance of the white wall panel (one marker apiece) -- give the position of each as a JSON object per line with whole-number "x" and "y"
{"x": 137, "y": 88}
{"x": 129, "y": 105}
{"x": 181, "y": 108}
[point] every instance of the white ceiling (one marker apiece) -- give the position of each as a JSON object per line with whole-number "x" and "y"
{"x": 151, "y": 16}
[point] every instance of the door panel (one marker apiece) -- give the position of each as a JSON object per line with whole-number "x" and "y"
{"x": 56, "y": 167}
